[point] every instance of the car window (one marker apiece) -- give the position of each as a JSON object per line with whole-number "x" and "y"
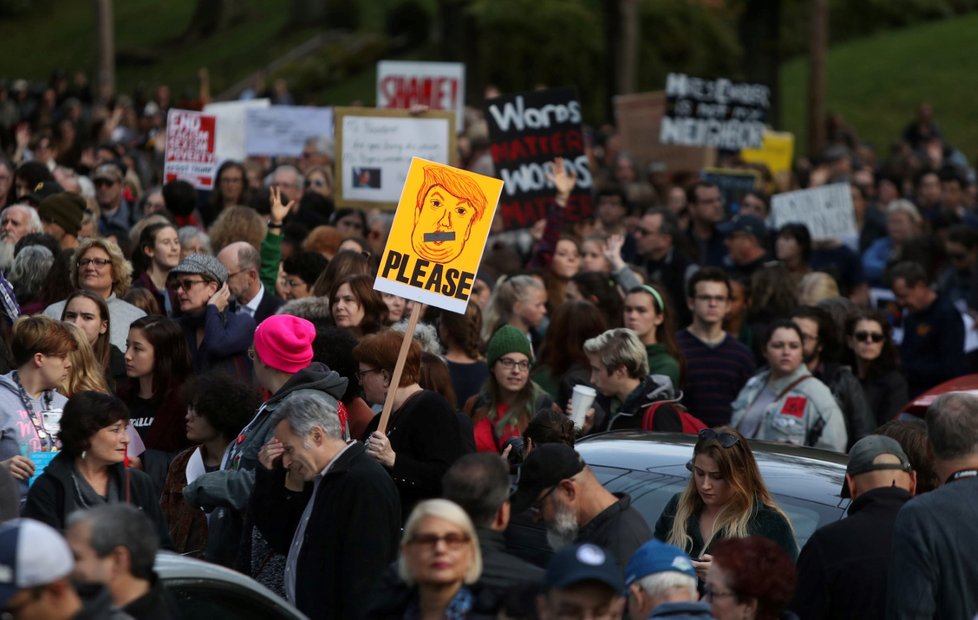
{"x": 200, "y": 599}
{"x": 650, "y": 492}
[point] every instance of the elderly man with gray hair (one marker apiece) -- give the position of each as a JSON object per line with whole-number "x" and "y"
{"x": 324, "y": 502}
{"x": 934, "y": 560}
{"x": 660, "y": 582}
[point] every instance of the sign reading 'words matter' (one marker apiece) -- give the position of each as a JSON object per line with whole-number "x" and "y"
{"x": 826, "y": 211}
{"x": 720, "y": 113}
{"x": 526, "y": 132}
{"x": 190, "y": 138}
{"x": 438, "y": 235}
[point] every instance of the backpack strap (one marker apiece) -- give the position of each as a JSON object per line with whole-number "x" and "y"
{"x": 792, "y": 386}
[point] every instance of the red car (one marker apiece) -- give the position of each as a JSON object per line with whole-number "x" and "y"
{"x": 965, "y": 383}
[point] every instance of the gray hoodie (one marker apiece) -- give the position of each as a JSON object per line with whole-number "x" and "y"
{"x": 16, "y": 428}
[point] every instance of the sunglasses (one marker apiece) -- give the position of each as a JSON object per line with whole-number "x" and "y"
{"x": 727, "y": 440}
{"x": 876, "y": 337}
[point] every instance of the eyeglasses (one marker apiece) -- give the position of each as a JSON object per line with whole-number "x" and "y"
{"x": 876, "y": 337}
{"x": 98, "y": 262}
{"x": 452, "y": 540}
{"x": 726, "y": 440}
{"x": 709, "y": 594}
{"x": 537, "y": 507}
{"x": 509, "y": 363}
{"x": 363, "y": 373}
{"x": 186, "y": 284}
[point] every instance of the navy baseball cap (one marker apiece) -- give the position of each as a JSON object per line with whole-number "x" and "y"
{"x": 31, "y": 554}
{"x": 576, "y": 563}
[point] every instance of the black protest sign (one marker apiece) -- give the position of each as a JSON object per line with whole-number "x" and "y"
{"x": 526, "y": 131}
{"x": 734, "y": 184}
{"x": 727, "y": 115}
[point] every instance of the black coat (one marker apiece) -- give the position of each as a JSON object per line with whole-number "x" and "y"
{"x": 619, "y": 528}
{"x": 842, "y": 568}
{"x": 267, "y": 307}
{"x": 424, "y": 434}
{"x": 52, "y": 496}
{"x": 352, "y": 535}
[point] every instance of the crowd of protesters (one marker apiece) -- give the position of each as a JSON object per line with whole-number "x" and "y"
{"x": 219, "y": 359}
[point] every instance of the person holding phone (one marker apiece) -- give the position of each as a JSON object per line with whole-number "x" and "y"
{"x": 216, "y": 338}
{"x": 41, "y": 348}
{"x": 725, "y": 498}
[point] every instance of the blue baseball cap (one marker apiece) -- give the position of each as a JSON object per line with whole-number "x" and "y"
{"x": 31, "y": 554}
{"x": 576, "y": 563}
{"x": 657, "y": 557}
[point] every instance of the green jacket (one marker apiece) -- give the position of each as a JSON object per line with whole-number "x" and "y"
{"x": 661, "y": 363}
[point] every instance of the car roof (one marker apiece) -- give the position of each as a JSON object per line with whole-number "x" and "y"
{"x": 173, "y": 567}
{"x": 790, "y": 471}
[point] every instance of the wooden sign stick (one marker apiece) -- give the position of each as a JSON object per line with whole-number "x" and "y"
{"x": 399, "y": 366}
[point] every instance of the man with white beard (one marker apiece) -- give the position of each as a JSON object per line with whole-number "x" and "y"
{"x": 16, "y": 221}
{"x": 561, "y": 491}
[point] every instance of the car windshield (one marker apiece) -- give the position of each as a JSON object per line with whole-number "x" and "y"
{"x": 650, "y": 492}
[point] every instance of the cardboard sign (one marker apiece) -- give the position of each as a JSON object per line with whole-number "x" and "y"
{"x": 526, "y": 132}
{"x": 720, "y": 113}
{"x": 776, "y": 150}
{"x": 826, "y": 211}
{"x": 639, "y": 121}
{"x": 733, "y": 183}
{"x": 374, "y": 150}
{"x": 282, "y": 130}
{"x": 438, "y": 85}
{"x": 190, "y": 148}
{"x": 438, "y": 235}
{"x": 231, "y": 120}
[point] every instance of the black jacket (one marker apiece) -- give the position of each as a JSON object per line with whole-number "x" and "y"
{"x": 352, "y": 535}
{"x": 157, "y": 604}
{"x": 52, "y": 496}
{"x": 886, "y": 394}
{"x": 842, "y": 568}
{"x": 846, "y": 389}
{"x": 424, "y": 434}
{"x": 267, "y": 307}
{"x": 500, "y": 569}
{"x": 619, "y": 528}
{"x": 632, "y": 411}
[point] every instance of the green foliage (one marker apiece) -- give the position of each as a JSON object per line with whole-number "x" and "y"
{"x": 409, "y": 21}
{"x": 877, "y": 82}
{"x": 525, "y": 43}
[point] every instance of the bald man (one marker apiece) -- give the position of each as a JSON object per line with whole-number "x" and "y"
{"x": 243, "y": 261}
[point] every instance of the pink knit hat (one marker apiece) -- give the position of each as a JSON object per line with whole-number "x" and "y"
{"x": 284, "y": 342}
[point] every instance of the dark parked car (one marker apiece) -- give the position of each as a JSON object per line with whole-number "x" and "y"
{"x": 206, "y": 591}
{"x": 651, "y": 467}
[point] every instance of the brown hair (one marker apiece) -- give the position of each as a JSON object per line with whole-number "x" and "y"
{"x": 463, "y": 330}
{"x": 40, "y": 334}
{"x": 237, "y": 224}
{"x": 381, "y": 349}
{"x": 374, "y": 309}
{"x": 103, "y": 345}
{"x": 345, "y": 263}
{"x": 572, "y": 324}
{"x": 324, "y": 240}
{"x": 436, "y": 377}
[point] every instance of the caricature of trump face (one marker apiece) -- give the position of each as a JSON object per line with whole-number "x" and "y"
{"x": 448, "y": 205}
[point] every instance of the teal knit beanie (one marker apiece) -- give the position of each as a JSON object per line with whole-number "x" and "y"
{"x": 507, "y": 339}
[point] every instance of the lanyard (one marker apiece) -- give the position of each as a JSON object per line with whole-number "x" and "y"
{"x": 960, "y": 475}
{"x": 28, "y": 403}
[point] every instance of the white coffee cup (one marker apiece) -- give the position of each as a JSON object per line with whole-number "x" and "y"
{"x": 581, "y": 401}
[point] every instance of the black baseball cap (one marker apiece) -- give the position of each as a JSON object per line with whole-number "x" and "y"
{"x": 546, "y": 466}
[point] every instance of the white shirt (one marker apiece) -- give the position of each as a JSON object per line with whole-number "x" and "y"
{"x": 251, "y": 307}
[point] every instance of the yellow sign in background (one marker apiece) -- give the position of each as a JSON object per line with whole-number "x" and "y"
{"x": 438, "y": 235}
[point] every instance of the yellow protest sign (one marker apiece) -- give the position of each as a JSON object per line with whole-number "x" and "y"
{"x": 438, "y": 235}
{"x": 777, "y": 149}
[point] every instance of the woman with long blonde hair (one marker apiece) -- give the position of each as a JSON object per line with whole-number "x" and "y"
{"x": 85, "y": 374}
{"x": 725, "y": 498}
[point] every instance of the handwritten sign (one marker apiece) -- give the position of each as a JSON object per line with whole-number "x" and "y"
{"x": 282, "y": 130}
{"x": 438, "y": 85}
{"x": 826, "y": 211}
{"x": 231, "y": 121}
{"x": 734, "y": 184}
{"x": 190, "y": 143}
{"x": 438, "y": 235}
{"x": 526, "y": 131}
{"x": 374, "y": 150}
{"x": 727, "y": 115}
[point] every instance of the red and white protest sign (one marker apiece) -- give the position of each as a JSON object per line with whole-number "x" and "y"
{"x": 190, "y": 138}
{"x": 437, "y": 85}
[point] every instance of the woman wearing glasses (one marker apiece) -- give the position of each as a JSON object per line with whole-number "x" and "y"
{"x": 215, "y": 337}
{"x": 439, "y": 557}
{"x": 750, "y": 579}
{"x": 784, "y": 402}
{"x": 725, "y": 498}
{"x": 99, "y": 266}
{"x": 508, "y": 399}
{"x": 423, "y": 436}
{"x": 876, "y": 361}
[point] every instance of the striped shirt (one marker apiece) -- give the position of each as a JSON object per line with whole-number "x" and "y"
{"x": 715, "y": 375}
